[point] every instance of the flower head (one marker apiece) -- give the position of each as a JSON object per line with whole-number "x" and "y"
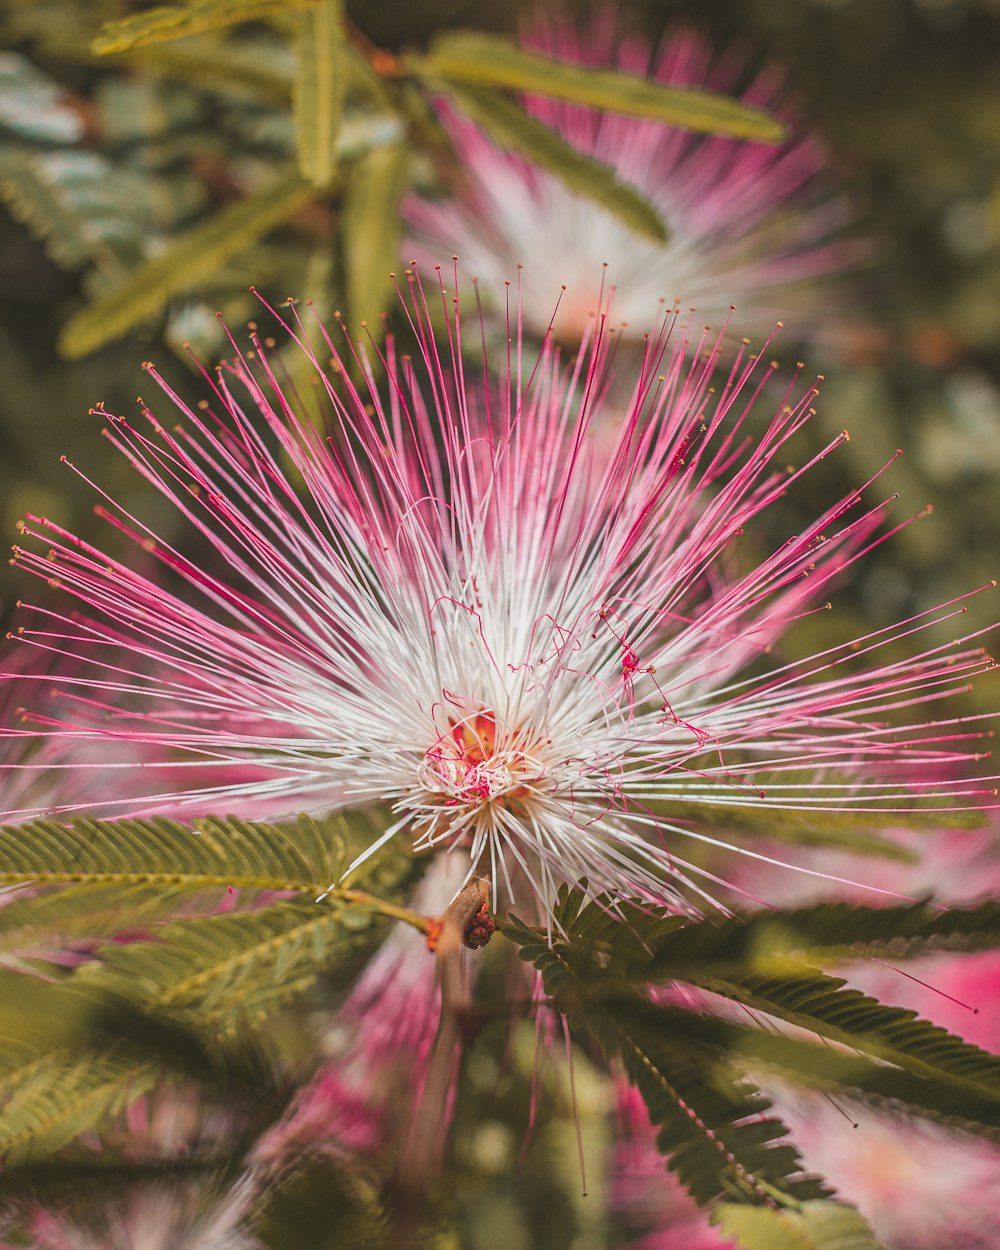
{"x": 547, "y": 649}
{"x": 750, "y": 224}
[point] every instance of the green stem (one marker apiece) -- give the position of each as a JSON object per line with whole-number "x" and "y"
{"x": 363, "y": 899}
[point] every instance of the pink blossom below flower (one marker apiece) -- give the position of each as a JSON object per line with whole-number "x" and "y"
{"x": 529, "y": 644}
{"x": 154, "y": 1217}
{"x": 379, "y": 1043}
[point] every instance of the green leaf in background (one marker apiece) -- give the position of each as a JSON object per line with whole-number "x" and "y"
{"x": 372, "y": 229}
{"x": 711, "y": 1120}
{"x": 239, "y": 69}
{"x": 856, "y": 832}
{"x": 650, "y": 949}
{"x": 41, "y": 191}
{"x": 811, "y": 1000}
{"x": 174, "y": 21}
{"x": 824, "y": 933}
{"x": 221, "y": 973}
{"x": 41, "y": 923}
{"x": 94, "y": 879}
{"x": 692, "y": 1065}
{"x": 972, "y": 1106}
{"x": 301, "y": 856}
{"x": 486, "y": 60}
{"x": 185, "y": 264}
{"x": 810, "y": 1226}
{"x": 67, "y": 1095}
{"x": 318, "y": 96}
{"x": 512, "y": 128}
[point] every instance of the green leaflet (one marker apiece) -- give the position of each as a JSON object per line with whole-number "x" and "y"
{"x": 46, "y": 202}
{"x": 974, "y": 1107}
{"x": 514, "y": 129}
{"x": 811, "y": 1226}
{"x": 218, "y": 973}
{"x": 301, "y": 856}
{"x": 824, "y": 933}
{"x": 77, "y": 1052}
{"x": 99, "y": 878}
{"x": 87, "y": 910}
{"x": 214, "y": 63}
{"x": 710, "y": 1117}
{"x": 812, "y": 1000}
{"x": 847, "y": 831}
{"x": 651, "y": 948}
{"x": 318, "y": 94}
{"x": 66, "y": 1096}
{"x": 692, "y": 1067}
{"x": 372, "y": 230}
{"x": 746, "y": 960}
{"x": 187, "y": 263}
{"x": 174, "y": 21}
{"x": 486, "y": 60}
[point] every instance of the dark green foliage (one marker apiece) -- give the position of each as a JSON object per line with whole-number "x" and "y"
{"x": 713, "y": 1124}
{"x": 695, "y": 1068}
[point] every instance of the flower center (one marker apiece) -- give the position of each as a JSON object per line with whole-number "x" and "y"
{"x": 472, "y": 765}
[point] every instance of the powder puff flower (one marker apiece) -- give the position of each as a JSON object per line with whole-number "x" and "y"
{"x": 750, "y": 224}
{"x": 539, "y": 647}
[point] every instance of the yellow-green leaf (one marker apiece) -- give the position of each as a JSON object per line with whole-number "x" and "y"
{"x": 372, "y": 229}
{"x": 216, "y": 63}
{"x": 175, "y": 21}
{"x": 817, "y": 1225}
{"x": 187, "y": 263}
{"x": 318, "y": 97}
{"x": 67, "y": 1095}
{"x": 486, "y": 60}
{"x": 512, "y": 128}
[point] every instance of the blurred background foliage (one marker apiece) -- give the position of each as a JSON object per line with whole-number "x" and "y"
{"x": 108, "y": 162}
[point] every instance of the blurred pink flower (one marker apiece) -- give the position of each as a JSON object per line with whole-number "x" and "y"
{"x": 154, "y": 1217}
{"x": 649, "y": 1201}
{"x": 921, "y": 1186}
{"x": 379, "y": 1044}
{"x": 751, "y": 224}
{"x": 529, "y": 645}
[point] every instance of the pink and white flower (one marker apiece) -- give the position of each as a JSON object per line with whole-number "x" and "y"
{"x": 751, "y": 225}
{"x": 529, "y": 644}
